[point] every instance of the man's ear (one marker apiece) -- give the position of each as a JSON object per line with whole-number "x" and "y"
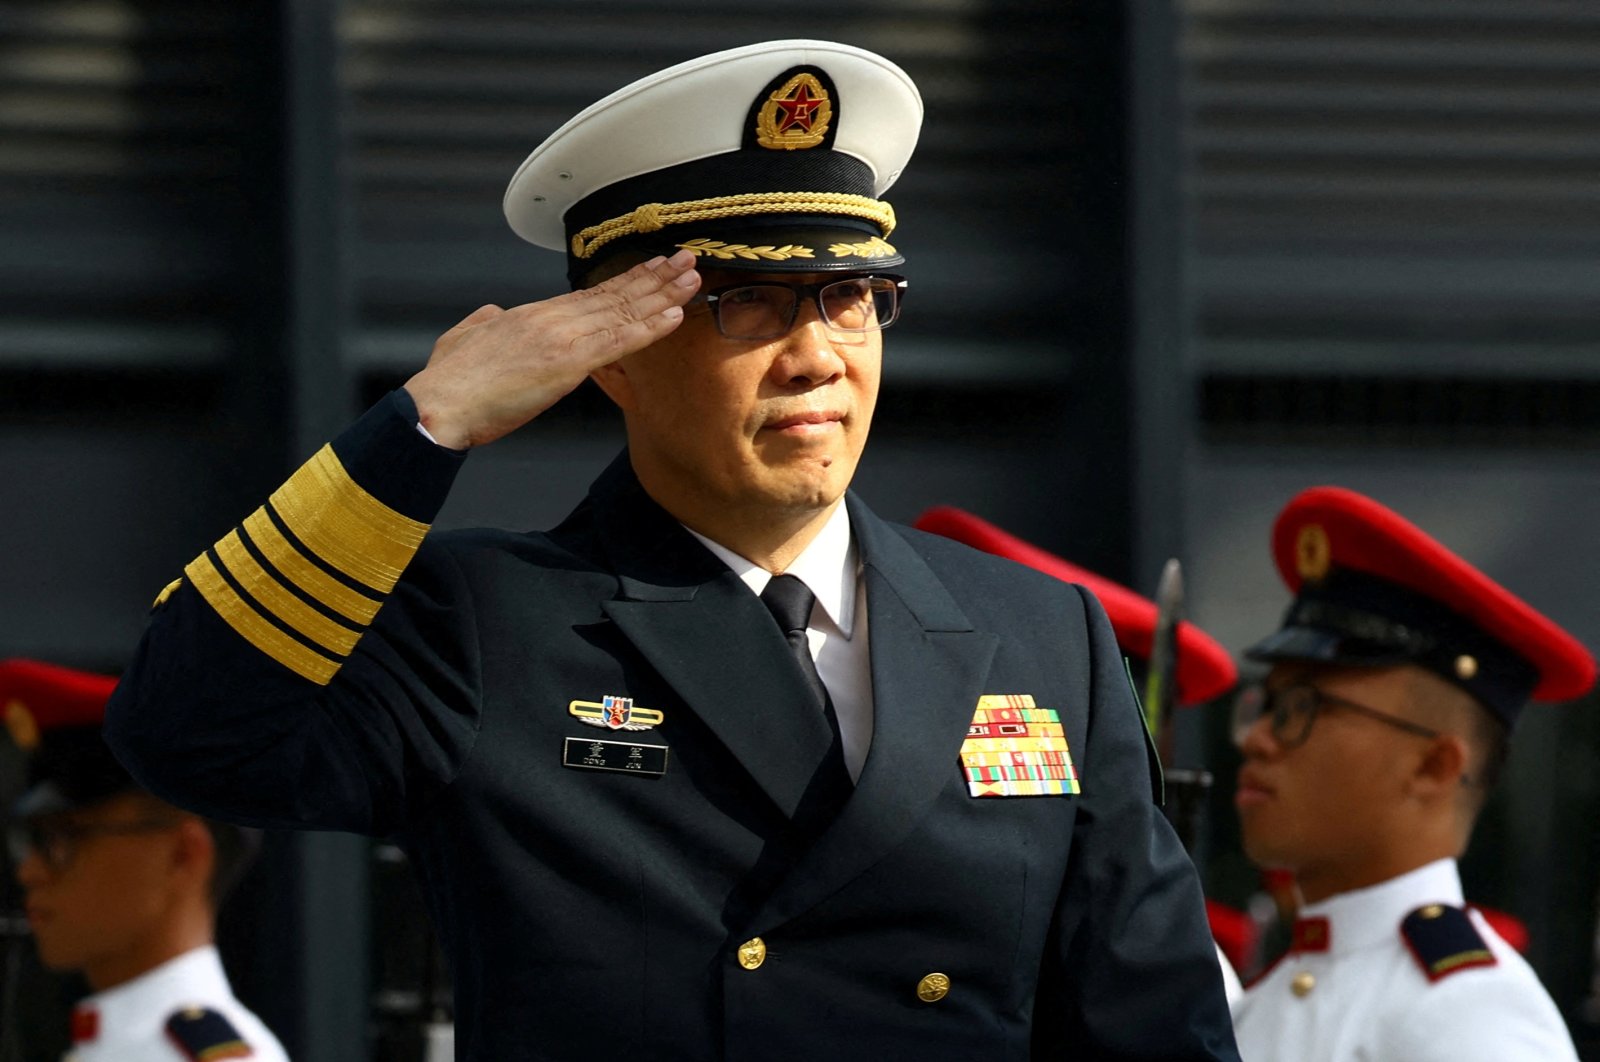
{"x": 1442, "y": 767}
{"x": 196, "y": 851}
{"x": 614, "y": 380}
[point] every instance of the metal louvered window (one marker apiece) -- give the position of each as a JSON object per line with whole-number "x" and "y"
{"x": 1404, "y": 188}
{"x": 120, "y": 194}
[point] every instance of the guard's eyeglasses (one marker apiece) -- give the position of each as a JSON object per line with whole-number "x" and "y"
{"x": 1294, "y": 709}
{"x": 768, "y": 309}
{"x": 57, "y": 843}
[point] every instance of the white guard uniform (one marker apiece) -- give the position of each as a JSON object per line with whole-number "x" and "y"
{"x": 1352, "y": 990}
{"x": 129, "y": 1023}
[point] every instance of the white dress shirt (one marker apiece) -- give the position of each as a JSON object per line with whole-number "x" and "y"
{"x": 837, "y": 633}
{"x": 1365, "y": 998}
{"x": 128, "y": 1023}
{"x": 1232, "y": 987}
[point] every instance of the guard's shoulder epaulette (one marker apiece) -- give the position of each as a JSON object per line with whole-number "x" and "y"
{"x": 1444, "y": 941}
{"x": 204, "y": 1035}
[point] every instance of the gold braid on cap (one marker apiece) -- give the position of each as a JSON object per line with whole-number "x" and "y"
{"x": 654, "y": 216}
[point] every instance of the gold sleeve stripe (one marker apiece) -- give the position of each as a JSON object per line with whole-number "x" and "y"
{"x": 272, "y": 642}
{"x": 166, "y": 592}
{"x": 317, "y": 584}
{"x": 344, "y": 525}
{"x": 267, "y": 591}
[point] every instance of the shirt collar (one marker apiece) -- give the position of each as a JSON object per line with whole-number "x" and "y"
{"x": 135, "y": 1007}
{"x": 828, "y": 566}
{"x": 1364, "y": 917}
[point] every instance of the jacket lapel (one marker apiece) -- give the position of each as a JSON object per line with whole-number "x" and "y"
{"x": 709, "y": 637}
{"x": 928, "y": 669}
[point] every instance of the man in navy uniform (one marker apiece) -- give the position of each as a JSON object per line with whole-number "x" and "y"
{"x": 1382, "y": 726}
{"x": 682, "y": 776}
{"x": 119, "y": 886}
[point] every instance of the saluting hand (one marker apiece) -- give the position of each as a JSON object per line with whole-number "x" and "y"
{"x": 498, "y": 369}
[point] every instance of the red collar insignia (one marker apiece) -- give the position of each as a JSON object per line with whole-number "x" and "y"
{"x": 1311, "y": 934}
{"x": 85, "y": 1024}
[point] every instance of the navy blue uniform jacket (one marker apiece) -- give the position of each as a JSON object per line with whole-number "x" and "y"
{"x": 598, "y": 915}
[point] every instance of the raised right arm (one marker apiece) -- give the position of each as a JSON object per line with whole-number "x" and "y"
{"x": 317, "y": 666}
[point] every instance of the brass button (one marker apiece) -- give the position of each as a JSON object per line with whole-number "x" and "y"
{"x": 1302, "y": 984}
{"x": 1433, "y": 910}
{"x": 752, "y": 953}
{"x": 1466, "y": 667}
{"x": 933, "y": 987}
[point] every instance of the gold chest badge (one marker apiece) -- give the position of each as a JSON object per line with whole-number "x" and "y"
{"x": 795, "y": 115}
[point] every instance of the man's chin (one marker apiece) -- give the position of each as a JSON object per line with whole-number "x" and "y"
{"x": 1262, "y": 851}
{"x": 809, "y": 485}
{"x": 56, "y": 957}
{"x": 813, "y": 497}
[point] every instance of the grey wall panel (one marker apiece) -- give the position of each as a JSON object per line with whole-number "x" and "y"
{"x": 96, "y": 521}
{"x": 1374, "y": 183}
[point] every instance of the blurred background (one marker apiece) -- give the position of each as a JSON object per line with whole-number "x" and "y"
{"x": 1171, "y": 262}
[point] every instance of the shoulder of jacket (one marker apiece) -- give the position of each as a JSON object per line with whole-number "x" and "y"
{"x": 1443, "y": 940}
{"x": 206, "y": 1035}
{"x": 961, "y": 564}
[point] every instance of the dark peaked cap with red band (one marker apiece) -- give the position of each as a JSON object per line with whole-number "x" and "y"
{"x": 1373, "y": 589}
{"x": 1205, "y": 670}
{"x": 771, "y": 157}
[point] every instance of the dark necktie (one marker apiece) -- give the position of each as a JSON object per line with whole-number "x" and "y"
{"x": 790, "y": 602}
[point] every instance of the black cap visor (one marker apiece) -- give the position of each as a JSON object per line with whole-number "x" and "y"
{"x": 1320, "y": 646}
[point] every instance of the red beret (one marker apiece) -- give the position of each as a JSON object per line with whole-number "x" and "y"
{"x": 37, "y": 697}
{"x": 1512, "y": 930}
{"x": 1372, "y": 588}
{"x": 1205, "y": 670}
{"x": 54, "y": 714}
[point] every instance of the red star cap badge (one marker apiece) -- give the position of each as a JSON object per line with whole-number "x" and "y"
{"x": 798, "y": 109}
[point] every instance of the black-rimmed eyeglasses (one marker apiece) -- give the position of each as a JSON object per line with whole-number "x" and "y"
{"x": 767, "y": 309}
{"x": 57, "y": 843}
{"x": 1293, "y": 709}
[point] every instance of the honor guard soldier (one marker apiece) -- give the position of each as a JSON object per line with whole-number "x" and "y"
{"x": 683, "y": 777}
{"x": 1205, "y": 670}
{"x": 1378, "y": 734}
{"x": 121, "y": 887}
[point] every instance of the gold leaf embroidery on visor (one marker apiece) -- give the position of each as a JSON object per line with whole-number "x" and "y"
{"x": 873, "y": 248}
{"x": 767, "y": 253}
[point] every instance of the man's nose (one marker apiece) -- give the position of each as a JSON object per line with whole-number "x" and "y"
{"x": 810, "y": 353}
{"x": 32, "y": 871}
{"x": 1257, "y": 740}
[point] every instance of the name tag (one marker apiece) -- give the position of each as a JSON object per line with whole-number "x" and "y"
{"x": 626, "y": 756}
